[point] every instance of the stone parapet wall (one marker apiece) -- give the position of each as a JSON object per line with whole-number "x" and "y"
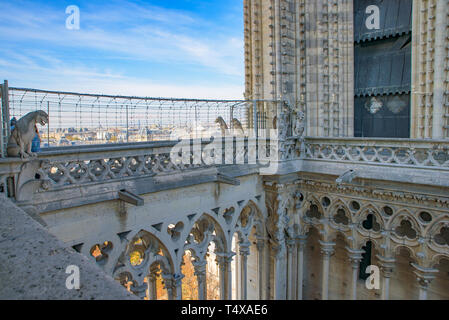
{"x": 33, "y": 263}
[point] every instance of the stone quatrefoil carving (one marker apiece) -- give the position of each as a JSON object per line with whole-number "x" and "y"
{"x": 74, "y": 172}
{"x": 429, "y": 157}
{"x": 78, "y": 172}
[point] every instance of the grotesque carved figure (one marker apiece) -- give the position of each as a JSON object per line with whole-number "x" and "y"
{"x": 299, "y": 125}
{"x": 346, "y": 177}
{"x": 24, "y": 131}
{"x": 238, "y": 126}
{"x": 223, "y": 125}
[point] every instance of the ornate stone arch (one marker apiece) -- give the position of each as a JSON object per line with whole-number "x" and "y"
{"x": 313, "y": 200}
{"x": 206, "y": 228}
{"x": 204, "y": 231}
{"x": 436, "y": 259}
{"x": 333, "y": 235}
{"x": 361, "y": 241}
{"x": 250, "y": 216}
{"x": 151, "y": 252}
{"x": 438, "y": 232}
{"x": 105, "y": 250}
{"x": 397, "y": 248}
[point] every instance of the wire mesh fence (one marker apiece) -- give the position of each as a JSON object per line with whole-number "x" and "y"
{"x": 80, "y": 119}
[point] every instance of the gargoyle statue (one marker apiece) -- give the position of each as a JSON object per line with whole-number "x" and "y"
{"x": 223, "y": 125}
{"x": 346, "y": 177}
{"x": 238, "y": 126}
{"x": 299, "y": 125}
{"x": 24, "y": 131}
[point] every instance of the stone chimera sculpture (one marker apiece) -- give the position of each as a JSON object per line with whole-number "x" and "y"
{"x": 19, "y": 143}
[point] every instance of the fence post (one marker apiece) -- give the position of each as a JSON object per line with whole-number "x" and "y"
{"x": 127, "y": 125}
{"x": 5, "y": 127}
{"x": 48, "y": 124}
{"x": 2, "y": 146}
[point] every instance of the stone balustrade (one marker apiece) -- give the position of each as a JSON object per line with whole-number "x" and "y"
{"x": 70, "y": 168}
{"x": 59, "y": 168}
{"x": 401, "y": 152}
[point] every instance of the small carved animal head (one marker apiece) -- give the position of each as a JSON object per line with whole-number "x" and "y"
{"x": 219, "y": 120}
{"x": 236, "y": 122}
{"x": 41, "y": 117}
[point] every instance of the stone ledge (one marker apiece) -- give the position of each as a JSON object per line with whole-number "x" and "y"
{"x": 33, "y": 263}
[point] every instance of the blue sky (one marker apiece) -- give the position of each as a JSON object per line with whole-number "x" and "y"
{"x": 171, "y": 48}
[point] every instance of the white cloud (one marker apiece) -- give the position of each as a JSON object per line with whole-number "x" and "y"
{"x": 156, "y": 43}
{"x": 132, "y": 32}
{"x": 63, "y": 77}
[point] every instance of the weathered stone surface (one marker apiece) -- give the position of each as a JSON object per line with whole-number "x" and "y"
{"x": 33, "y": 263}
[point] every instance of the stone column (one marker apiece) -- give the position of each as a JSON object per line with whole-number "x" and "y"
{"x": 237, "y": 276}
{"x": 290, "y": 281}
{"x": 222, "y": 274}
{"x": 355, "y": 256}
{"x": 260, "y": 266}
{"x": 177, "y": 285}
{"x": 268, "y": 271}
{"x": 280, "y": 284}
{"x": 424, "y": 276}
{"x": 169, "y": 284}
{"x": 228, "y": 261}
{"x": 200, "y": 273}
{"x": 152, "y": 292}
{"x": 300, "y": 244}
{"x": 386, "y": 268}
{"x": 224, "y": 263}
{"x": 244, "y": 252}
{"x": 327, "y": 250}
{"x": 440, "y": 73}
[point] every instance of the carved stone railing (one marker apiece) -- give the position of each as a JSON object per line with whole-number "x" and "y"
{"x": 401, "y": 152}
{"x": 59, "y": 168}
{"x": 70, "y": 166}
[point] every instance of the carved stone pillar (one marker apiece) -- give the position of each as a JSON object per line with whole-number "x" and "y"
{"x": 290, "y": 267}
{"x": 327, "y": 250}
{"x": 228, "y": 261}
{"x": 355, "y": 256}
{"x": 169, "y": 284}
{"x": 200, "y": 273}
{"x": 267, "y": 271}
{"x": 386, "y": 268}
{"x": 221, "y": 274}
{"x": 424, "y": 276}
{"x": 280, "y": 252}
{"x": 260, "y": 266}
{"x": 224, "y": 263}
{"x": 177, "y": 283}
{"x": 300, "y": 244}
{"x": 430, "y": 93}
{"x": 152, "y": 291}
{"x": 279, "y": 200}
{"x": 244, "y": 252}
